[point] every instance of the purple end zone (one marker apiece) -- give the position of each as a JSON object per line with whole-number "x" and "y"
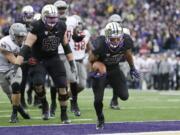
{"x": 82, "y": 129}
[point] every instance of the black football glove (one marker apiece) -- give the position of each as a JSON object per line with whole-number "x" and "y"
{"x": 134, "y": 73}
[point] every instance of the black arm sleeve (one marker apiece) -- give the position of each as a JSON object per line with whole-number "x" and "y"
{"x": 67, "y": 49}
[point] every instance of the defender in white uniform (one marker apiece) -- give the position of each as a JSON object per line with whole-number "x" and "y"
{"x": 79, "y": 46}
{"x": 77, "y": 80}
{"x": 10, "y": 73}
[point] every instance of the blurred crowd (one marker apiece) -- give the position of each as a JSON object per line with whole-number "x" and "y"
{"x": 154, "y": 27}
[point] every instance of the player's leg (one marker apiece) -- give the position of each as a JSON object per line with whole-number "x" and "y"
{"x": 114, "y": 102}
{"x": 25, "y": 70}
{"x": 15, "y": 81}
{"x": 53, "y": 92}
{"x": 118, "y": 82}
{"x": 82, "y": 76}
{"x": 38, "y": 76}
{"x": 58, "y": 74}
{"x": 72, "y": 80}
{"x": 5, "y": 86}
{"x": 29, "y": 92}
{"x": 98, "y": 86}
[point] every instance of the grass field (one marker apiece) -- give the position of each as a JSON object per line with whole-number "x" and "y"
{"x": 141, "y": 106}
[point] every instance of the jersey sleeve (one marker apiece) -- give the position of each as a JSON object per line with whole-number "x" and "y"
{"x": 35, "y": 27}
{"x": 5, "y": 45}
{"x": 128, "y": 42}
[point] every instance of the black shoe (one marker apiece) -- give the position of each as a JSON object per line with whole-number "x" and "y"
{"x": 14, "y": 118}
{"x": 64, "y": 118}
{"x": 100, "y": 123}
{"x": 53, "y": 110}
{"x": 45, "y": 116}
{"x": 114, "y": 105}
{"x": 24, "y": 114}
{"x": 29, "y": 97}
{"x": 75, "y": 108}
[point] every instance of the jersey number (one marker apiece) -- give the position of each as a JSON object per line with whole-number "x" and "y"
{"x": 50, "y": 44}
{"x": 79, "y": 46}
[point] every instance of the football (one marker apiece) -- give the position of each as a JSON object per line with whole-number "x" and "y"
{"x": 99, "y": 67}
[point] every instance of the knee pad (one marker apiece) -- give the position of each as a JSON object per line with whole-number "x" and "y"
{"x": 15, "y": 88}
{"x": 124, "y": 97}
{"x": 40, "y": 91}
{"x": 64, "y": 95}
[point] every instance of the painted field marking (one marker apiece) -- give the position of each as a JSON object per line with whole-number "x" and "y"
{"x": 146, "y": 133}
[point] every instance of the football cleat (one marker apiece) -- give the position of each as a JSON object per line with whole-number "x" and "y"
{"x": 100, "y": 123}
{"x": 75, "y": 108}
{"x": 114, "y": 105}
{"x": 45, "y": 116}
{"x": 14, "y": 118}
{"x": 64, "y": 118}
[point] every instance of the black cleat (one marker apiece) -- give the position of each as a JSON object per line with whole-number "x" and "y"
{"x": 114, "y": 105}
{"x": 45, "y": 116}
{"x": 14, "y": 118}
{"x": 64, "y": 118}
{"x": 100, "y": 123}
{"x": 75, "y": 108}
{"x": 24, "y": 114}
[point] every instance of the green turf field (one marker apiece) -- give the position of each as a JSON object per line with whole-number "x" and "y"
{"x": 141, "y": 106}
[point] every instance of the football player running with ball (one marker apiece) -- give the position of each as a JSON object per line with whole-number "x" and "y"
{"x": 108, "y": 51}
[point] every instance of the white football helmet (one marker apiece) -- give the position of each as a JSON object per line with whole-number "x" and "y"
{"x": 114, "y": 35}
{"x": 115, "y": 18}
{"x": 62, "y": 7}
{"x": 78, "y": 22}
{"x": 28, "y": 13}
{"x": 18, "y": 32}
{"x": 49, "y": 15}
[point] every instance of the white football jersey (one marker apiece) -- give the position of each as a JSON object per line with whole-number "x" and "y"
{"x": 79, "y": 48}
{"x": 7, "y": 44}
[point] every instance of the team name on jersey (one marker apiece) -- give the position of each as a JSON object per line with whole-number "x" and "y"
{"x": 113, "y": 59}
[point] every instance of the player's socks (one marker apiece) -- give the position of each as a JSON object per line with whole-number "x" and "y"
{"x": 53, "y": 101}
